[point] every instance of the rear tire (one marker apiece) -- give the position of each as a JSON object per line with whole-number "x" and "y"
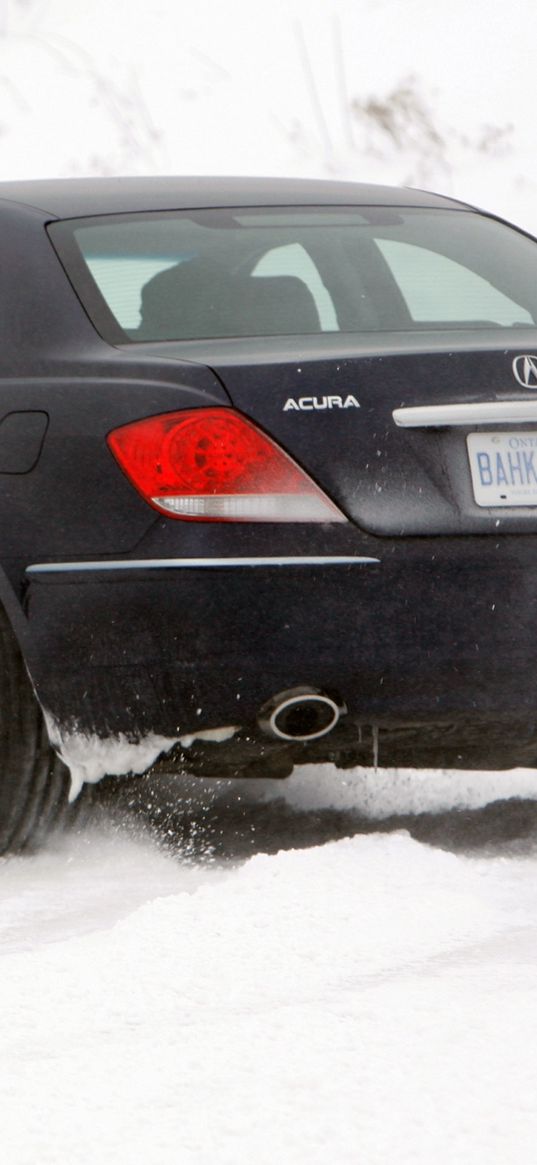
{"x": 34, "y": 783}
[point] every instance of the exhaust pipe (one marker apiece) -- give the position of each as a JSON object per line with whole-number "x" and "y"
{"x": 300, "y": 714}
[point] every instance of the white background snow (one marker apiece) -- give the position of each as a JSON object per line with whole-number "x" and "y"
{"x": 340, "y": 968}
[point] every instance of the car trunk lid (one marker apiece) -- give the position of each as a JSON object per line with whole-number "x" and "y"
{"x": 334, "y": 413}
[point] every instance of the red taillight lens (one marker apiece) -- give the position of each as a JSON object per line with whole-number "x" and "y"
{"x": 213, "y": 464}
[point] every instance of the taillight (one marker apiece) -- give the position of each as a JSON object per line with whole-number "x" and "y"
{"x": 214, "y": 465}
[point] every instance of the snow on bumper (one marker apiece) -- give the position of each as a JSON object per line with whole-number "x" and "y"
{"x": 89, "y": 758}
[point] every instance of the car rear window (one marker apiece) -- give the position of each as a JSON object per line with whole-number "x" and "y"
{"x": 291, "y": 271}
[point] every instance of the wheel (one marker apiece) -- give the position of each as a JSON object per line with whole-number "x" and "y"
{"x": 34, "y": 783}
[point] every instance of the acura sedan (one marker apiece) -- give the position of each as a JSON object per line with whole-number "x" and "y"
{"x": 268, "y": 483}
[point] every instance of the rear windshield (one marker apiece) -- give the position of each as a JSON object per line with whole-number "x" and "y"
{"x": 194, "y": 275}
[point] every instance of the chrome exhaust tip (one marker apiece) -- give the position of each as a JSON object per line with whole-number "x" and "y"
{"x": 301, "y": 713}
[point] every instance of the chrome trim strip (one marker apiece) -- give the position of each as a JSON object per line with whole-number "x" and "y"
{"x": 196, "y": 563}
{"x": 494, "y": 412}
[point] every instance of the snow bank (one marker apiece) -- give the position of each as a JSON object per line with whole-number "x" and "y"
{"x": 380, "y": 793}
{"x": 374, "y": 1000}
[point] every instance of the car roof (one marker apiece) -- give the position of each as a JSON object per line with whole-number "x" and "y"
{"x": 80, "y": 197}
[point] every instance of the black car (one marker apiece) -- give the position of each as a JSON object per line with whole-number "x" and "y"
{"x": 268, "y": 465}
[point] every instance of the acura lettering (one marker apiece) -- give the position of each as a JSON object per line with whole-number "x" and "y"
{"x": 307, "y": 404}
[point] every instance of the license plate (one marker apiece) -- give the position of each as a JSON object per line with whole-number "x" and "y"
{"x": 504, "y": 468}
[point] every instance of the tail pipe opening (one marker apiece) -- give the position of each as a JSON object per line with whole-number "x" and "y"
{"x": 302, "y": 713}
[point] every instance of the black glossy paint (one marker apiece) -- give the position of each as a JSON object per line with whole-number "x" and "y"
{"x": 443, "y": 631}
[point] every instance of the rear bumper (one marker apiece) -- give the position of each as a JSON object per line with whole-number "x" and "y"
{"x": 436, "y": 632}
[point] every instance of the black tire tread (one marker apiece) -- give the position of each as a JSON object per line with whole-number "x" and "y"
{"x": 34, "y": 783}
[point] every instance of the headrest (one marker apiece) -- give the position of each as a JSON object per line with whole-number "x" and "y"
{"x": 196, "y": 300}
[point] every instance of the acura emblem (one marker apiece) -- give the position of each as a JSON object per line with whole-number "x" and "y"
{"x": 525, "y": 370}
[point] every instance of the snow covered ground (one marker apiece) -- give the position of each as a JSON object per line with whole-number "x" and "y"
{"x": 340, "y": 968}
{"x": 343, "y": 969}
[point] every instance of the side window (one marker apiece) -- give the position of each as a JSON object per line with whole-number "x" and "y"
{"x": 293, "y": 259}
{"x": 436, "y": 288}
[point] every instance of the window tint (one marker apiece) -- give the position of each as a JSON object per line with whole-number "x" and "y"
{"x": 293, "y": 259}
{"x": 224, "y": 273}
{"x": 436, "y": 288}
{"x": 120, "y": 280}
